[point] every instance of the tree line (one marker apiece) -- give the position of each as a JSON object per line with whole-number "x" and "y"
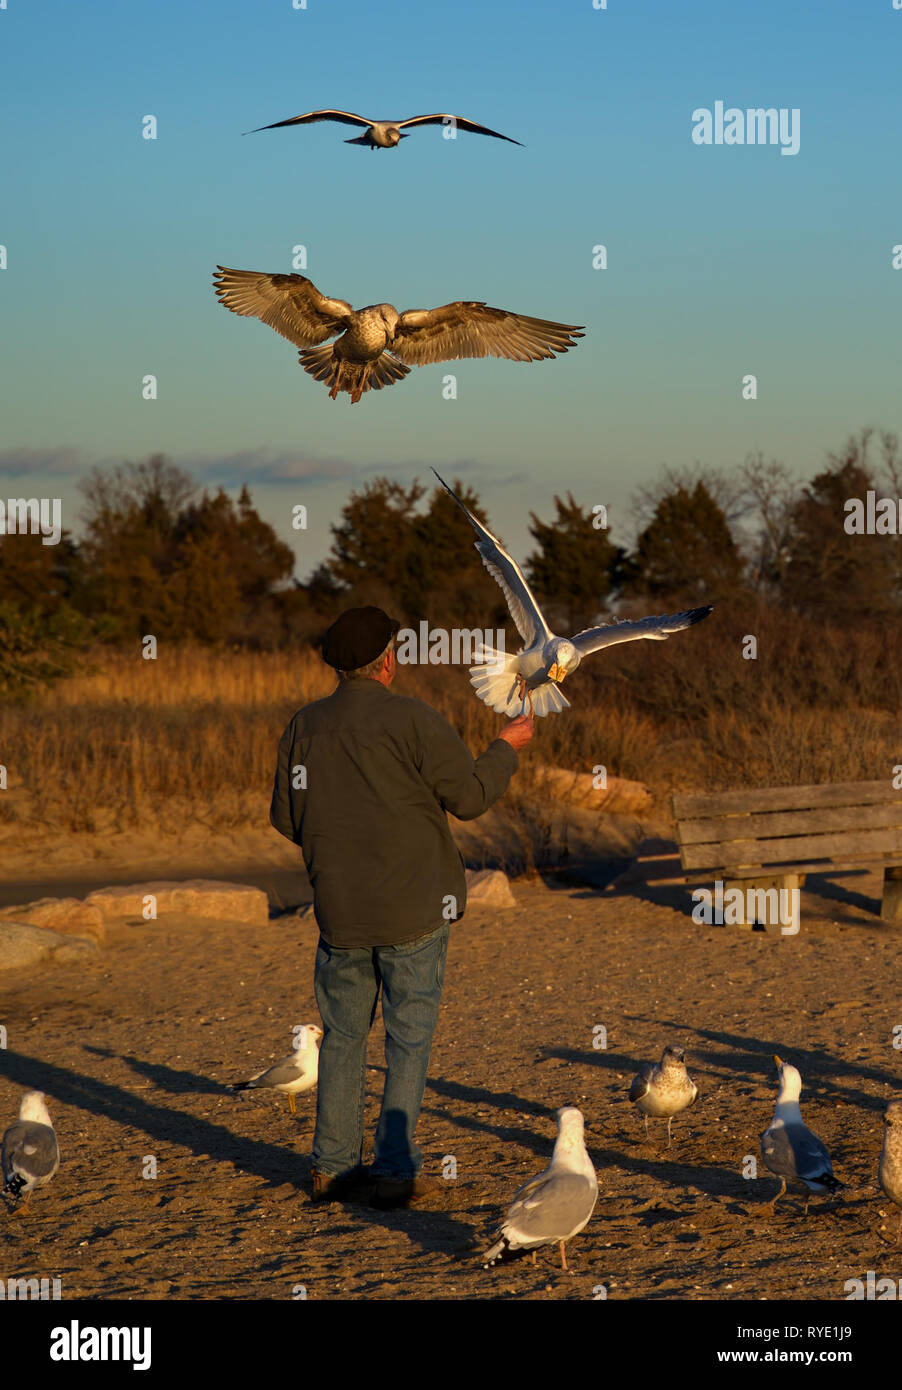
{"x": 159, "y": 554}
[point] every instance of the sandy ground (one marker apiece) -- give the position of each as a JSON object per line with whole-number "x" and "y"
{"x": 135, "y": 1051}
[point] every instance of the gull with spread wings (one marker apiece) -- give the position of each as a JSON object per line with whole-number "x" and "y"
{"x": 507, "y": 680}
{"x": 385, "y": 135}
{"x": 376, "y": 343}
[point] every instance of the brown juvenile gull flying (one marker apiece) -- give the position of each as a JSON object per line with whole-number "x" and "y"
{"x": 377, "y": 341}
{"x": 30, "y": 1154}
{"x": 385, "y": 135}
{"x": 664, "y": 1090}
{"x": 506, "y": 679}
{"x": 293, "y": 1074}
{"x": 890, "y": 1170}
{"x": 557, "y": 1204}
{"x": 789, "y": 1148}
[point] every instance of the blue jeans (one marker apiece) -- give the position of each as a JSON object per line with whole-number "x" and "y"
{"x": 346, "y": 984}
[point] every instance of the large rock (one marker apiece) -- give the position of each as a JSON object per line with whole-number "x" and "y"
{"x": 195, "y": 897}
{"x": 489, "y": 888}
{"x": 23, "y": 945}
{"x": 70, "y": 916}
{"x": 619, "y": 795}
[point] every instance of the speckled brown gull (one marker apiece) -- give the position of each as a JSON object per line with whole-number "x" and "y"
{"x": 664, "y": 1089}
{"x": 385, "y": 135}
{"x": 890, "y": 1169}
{"x": 376, "y": 342}
{"x": 555, "y": 1206}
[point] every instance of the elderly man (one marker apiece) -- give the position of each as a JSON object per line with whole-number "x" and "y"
{"x": 364, "y": 780}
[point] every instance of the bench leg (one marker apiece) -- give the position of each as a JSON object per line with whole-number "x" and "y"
{"x": 765, "y": 901}
{"x": 891, "y": 909}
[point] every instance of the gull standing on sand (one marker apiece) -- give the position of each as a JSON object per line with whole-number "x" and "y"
{"x": 376, "y": 342}
{"x": 385, "y": 135}
{"x": 30, "y": 1152}
{"x": 292, "y": 1074}
{"x": 555, "y": 1206}
{"x": 890, "y": 1170}
{"x": 789, "y": 1148}
{"x": 536, "y": 671}
{"x": 664, "y": 1089}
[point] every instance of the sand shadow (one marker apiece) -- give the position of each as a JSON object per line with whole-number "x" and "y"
{"x": 273, "y": 1164}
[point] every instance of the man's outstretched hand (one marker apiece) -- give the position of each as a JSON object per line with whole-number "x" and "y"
{"x": 518, "y": 732}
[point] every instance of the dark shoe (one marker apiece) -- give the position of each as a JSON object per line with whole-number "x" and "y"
{"x": 391, "y": 1193}
{"x": 336, "y": 1187}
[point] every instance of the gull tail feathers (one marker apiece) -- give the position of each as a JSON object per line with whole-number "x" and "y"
{"x": 497, "y": 683}
{"x": 353, "y": 377}
{"x": 495, "y": 1253}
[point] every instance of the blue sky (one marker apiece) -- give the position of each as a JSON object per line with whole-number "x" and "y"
{"x": 721, "y": 260}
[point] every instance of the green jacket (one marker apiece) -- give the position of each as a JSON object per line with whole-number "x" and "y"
{"x": 381, "y": 771}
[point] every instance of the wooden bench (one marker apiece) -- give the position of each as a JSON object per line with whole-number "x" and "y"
{"x": 770, "y": 837}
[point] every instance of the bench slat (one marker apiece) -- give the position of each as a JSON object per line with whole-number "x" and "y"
{"x": 746, "y": 852}
{"x": 813, "y": 822}
{"x": 688, "y": 807}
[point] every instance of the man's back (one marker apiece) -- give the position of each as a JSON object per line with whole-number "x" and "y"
{"x": 380, "y": 771}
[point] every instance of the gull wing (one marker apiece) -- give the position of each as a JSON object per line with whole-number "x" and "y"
{"x": 592, "y": 639}
{"x": 521, "y": 602}
{"x": 345, "y": 118}
{"x": 291, "y": 304}
{"x": 792, "y": 1151}
{"x": 30, "y": 1148}
{"x": 640, "y": 1086}
{"x": 470, "y": 328}
{"x": 460, "y": 121}
{"x": 550, "y": 1208}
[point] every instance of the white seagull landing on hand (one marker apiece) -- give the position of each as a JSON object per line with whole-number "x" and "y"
{"x": 377, "y": 341}
{"x": 557, "y": 1204}
{"x": 293, "y": 1074}
{"x": 385, "y": 135}
{"x": 535, "y": 672}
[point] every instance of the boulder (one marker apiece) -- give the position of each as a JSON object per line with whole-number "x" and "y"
{"x": 194, "y": 897}
{"x": 619, "y": 795}
{"x": 23, "y": 945}
{"x": 70, "y": 916}
{"x": 489, "y": 888}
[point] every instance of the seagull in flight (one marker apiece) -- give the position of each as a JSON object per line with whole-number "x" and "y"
{"x": 376, "y": 343}
{"x": 506, "y": 680}
{"x": 385, "y": 135}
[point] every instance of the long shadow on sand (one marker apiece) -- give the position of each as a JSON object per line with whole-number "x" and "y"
{"x": 273, "y": 1164}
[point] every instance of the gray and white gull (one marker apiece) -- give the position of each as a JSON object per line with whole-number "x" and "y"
{"x": 789, "y": 1149}
{"x": 507, "y": 680}
{"x": 293, "y": 1074}
{"x": 556, "y": 1205}
{"x": 29, "y": 1153}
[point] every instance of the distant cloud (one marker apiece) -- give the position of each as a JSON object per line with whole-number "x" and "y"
{"x": 61, "y": 462}
{"x": 264, "y": 467}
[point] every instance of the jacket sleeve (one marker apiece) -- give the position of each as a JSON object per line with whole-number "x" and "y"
{"x": 464, "y": 785}
{"x": 283, "y": 809}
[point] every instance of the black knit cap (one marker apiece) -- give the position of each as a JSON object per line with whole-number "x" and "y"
{"x": 357, "y": 638}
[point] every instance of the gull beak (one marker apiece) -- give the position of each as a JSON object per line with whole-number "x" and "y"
{"x": 778, "y": 1061}
{"x": 556, "y": 673}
